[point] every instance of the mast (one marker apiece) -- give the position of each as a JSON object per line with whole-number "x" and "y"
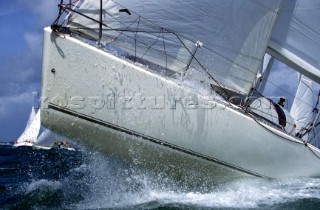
{"x": 296, "y": 38}
{"x": 100, "y": 23}
{"x": 294, "y": 61}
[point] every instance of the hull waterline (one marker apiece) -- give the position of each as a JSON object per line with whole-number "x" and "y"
{"x": 26, "y": 144}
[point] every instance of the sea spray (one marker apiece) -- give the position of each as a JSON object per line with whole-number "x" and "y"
{"x": 61, "y": 179}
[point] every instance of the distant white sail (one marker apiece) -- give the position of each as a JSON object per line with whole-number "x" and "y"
{"x": 31, "y": 132}
{"x": 302, "y": 107}
{"x": 296, "y": 38}
{"x": 44, "y": 138}
{"x": 31, "y": 117}
{"x": 234, "y": 34}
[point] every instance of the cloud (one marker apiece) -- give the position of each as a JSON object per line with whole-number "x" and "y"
{"x": 8, "y": 9}
{"x": 14, "y": 112}
{"x": 21, "y": 69}
{"x": 7, "y": 102}
{"x": 46, "y": 11}
{"x": 8, "y": 12}
{"x": 34, "y": 42}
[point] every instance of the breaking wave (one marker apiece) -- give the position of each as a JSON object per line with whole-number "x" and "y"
{"x": 36, "y": 179}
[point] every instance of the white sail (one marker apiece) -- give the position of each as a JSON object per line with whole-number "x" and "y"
{"x": 31, "y": 117}
{"x": 31, "y": 132}
{"x": 296, "y": 38}
{"x": 302, "y": 108}
{"x": 44, "y": 138}
{"x": 264, "y": 72}
{"x": 265, "y": 62}
{"x": 234, "y": 34}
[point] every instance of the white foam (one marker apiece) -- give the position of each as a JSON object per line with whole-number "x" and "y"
{"x": 138, "y": 189}
{"x": 116, "y": 185}
{"x": 248, "y": 193}
{"x": 42, "y": 184}
{"x": 109, "y": 183}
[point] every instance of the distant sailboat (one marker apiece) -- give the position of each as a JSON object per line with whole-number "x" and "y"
{"x": 31, "y": 132}
{"x": 41, "y": 142}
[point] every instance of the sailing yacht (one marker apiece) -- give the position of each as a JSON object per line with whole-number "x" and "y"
{"x": 30, "y": 133}
{"x": 30, "y": 136}
{"x": 176, "y": 83}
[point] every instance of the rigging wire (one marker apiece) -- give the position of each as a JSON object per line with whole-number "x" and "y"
{"x": 121, "y": 33}
{"x": 164, "y": 48}
{"x": 59, "y": 15}
{"x": 211, "y": 50}
{"x": 211, "y": 77}
{"x": 135, "y": 40}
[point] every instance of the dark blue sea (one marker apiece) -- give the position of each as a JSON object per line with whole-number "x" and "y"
{"x": 84, "y": 179}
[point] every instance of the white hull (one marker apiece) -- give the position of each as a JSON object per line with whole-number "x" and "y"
{"x": 27, "y": 144}
{"x": 47, "y": 147}
{"x": 41, "y": 147}
{"x": 215, "y": 139}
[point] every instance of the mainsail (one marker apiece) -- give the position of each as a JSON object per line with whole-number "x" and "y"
{"x": 234, "y": 34}
{"x": 296, "y": 38}
{"x": 31, "y": 131}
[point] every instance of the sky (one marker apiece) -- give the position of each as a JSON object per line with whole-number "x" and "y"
{"x": 21, "y": 23}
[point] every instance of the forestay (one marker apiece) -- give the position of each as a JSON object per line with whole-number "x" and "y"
{"x": 296, "y": 38}
{"x": 234, "y": 34}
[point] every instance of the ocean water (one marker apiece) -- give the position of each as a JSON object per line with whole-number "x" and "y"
{"x": 83, "y": 179}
